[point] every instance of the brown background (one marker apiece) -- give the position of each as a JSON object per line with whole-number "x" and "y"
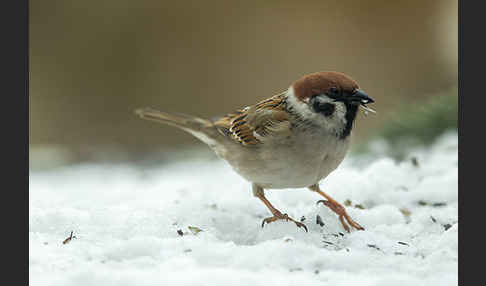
{"x": 93, "y": 62}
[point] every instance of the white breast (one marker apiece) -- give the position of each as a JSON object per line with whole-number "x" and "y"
{"x": 310, "y": 159}
{"x": 301, "y": 160}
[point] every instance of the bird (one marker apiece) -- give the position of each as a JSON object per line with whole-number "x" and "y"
{"x": 293, "y": 139}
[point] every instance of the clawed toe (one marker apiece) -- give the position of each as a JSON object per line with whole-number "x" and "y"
{"x": 354, "y": 224}
{"x": 258, "y": 191}
{"x": 324, "y": 202}
{"x": 268, "y": 220}
{"x": 283, "y": 217}
{"x": 299, "y": 224}
{"x": 341, "y": 212}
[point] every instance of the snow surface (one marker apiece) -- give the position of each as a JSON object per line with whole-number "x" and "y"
{"x": 125, "y": 221}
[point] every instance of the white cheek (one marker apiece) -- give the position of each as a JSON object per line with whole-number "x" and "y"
{"x": 334, "y": 123}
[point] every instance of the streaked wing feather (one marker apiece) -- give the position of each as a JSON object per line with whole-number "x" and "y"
{"x": 250, "y": 126}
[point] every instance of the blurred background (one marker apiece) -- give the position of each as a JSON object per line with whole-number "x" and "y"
{"x": 93, "y": 62}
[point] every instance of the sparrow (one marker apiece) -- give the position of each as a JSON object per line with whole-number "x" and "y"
{"x": 291, "y": 140}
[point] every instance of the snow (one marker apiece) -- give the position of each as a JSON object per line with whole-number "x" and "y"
{"x": 125, "y": 220}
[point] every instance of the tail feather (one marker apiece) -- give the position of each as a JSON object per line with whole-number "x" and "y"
{"x": 202, "y": 129}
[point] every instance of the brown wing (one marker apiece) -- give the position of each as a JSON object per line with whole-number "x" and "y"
{"x": 250, "y": 126}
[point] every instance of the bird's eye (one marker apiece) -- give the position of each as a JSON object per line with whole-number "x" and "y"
{"x": 334, "y": 93}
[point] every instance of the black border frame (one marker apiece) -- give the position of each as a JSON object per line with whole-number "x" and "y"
{"x": 15, "y": 118}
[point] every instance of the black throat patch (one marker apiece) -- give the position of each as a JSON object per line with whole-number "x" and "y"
{"x": 351, "y": 111}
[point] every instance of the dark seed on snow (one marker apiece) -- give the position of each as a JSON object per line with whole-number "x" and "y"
{"x": 447, "y": 226}
{"x": 373, "y": 246}
{"x": 438, "y": 204}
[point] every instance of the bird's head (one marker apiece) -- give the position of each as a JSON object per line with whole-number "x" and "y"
{"x": 331, "y": 98}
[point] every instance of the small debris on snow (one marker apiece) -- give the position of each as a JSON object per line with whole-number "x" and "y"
{"x": 194, "y": 230}
{"x": 69, "y": 238}
{"x": 405, "y": 212}
{"x": 373, "y": 246}
{"x": 348, "y": 203}
{"x": 319, "y": 220}
{"x": 439, "y": 204}
{"x": 447, "y": 226}
{"x": 358, "y": 206}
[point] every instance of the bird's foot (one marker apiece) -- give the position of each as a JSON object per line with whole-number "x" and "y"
{"x": 341, "y": 212}
{"x": 279, "y": 215}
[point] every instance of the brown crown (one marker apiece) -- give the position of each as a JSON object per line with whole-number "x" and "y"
{"x": 321, "y": 82}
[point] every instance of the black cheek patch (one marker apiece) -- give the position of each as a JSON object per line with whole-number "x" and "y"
{"x": 325, "y": 108}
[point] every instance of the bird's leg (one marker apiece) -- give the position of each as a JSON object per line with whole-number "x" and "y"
{"x": 337, "y": 208}
{"x": 258, "y": 192}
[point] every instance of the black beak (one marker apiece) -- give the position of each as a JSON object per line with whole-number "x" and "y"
{"x": 360, "y": 97}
